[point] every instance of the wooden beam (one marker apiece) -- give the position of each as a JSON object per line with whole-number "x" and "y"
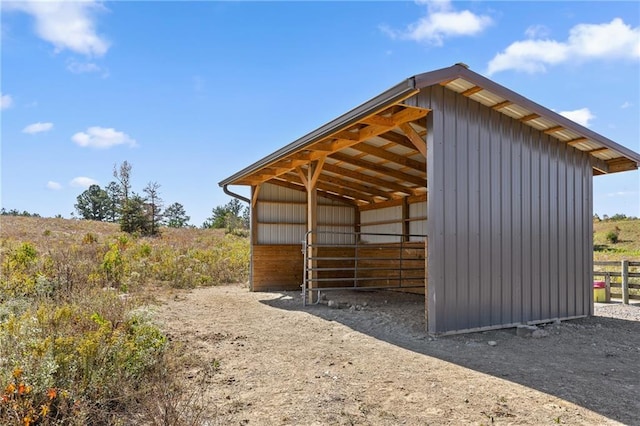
{"x": 357, "y": 195}
{"x": 621, "y": 164}
{"x": 576, "y": 141}
{"x": 529, "y": 117}
{"x": 299, "y": 187}
{"x": 317, "y": 169}
{"x": 600, "y": 165}
{"x": 395, "y": 187}
{"x": 303, "y": 176}
{"x": 415, "y": 138}
{"x": 388, "y": 155}
{"x": 398, "y": 139}
{"x": 553, "y": 129}
{"x": 471, "y": 91}
{"x": 254, "y": 196}
{"x": 373, "y": 190}
{"x": 417, "y": 180}
{"x": 501, "y": 105}
{"x": 593, "y": 151}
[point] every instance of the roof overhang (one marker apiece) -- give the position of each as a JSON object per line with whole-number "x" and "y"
{"x": 376, "y": 152}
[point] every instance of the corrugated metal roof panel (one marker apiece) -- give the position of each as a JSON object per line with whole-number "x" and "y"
{"x": 487, "y": 98}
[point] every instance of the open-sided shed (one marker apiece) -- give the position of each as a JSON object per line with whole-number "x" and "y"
{"x": 492, "y": 189}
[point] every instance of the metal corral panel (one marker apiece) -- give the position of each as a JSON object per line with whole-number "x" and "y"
{"x": 387, "y": 214}
{"x": 417, "y": 227}
{"x": 510, "y": 225}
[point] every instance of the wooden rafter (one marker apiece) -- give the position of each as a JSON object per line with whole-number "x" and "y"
{"x": 501, "y": 105}
{"x": 395, "y": 187}
{"x": 473, "y": 90}
{"x": 576, "y": 141}
{"x": 602, "y": 148}
{"x": 357, "y": 195}
{"x": 388, "y": 155}
{"x": 417, "y": 180}
{"x": 529, "y": 117}
{"x": 553, "y": 129}
{"x": 349, "y": 184}
{"x": 415, "y": 138}
{"x": 366, "y": 128}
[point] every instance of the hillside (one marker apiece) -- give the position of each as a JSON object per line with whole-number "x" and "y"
{"x": 628, "y": 245}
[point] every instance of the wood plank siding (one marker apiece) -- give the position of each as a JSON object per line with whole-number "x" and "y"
{"x": 509, "y": 219}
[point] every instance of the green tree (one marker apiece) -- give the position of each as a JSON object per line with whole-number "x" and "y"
{"x": 175, "y": 216}
{"x": 229, "y": 216}
{"x": 135, "y": 215}
{"x": 93, "y": 204}
{"x": 154, "y": 207}
{"x": 115, "y": 201}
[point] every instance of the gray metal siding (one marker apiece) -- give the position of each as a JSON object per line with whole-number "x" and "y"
{"x": 282, "y": 217}
{"x": 509, "y": 219}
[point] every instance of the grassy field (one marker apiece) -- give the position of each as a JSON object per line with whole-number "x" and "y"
{"x": 77, "y": 342}
{"x": 628, "y": 245}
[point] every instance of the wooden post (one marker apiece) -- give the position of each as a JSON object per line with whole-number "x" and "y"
{"x": 607, "y": 285}
{"x": 406, "y": 225}
{"x": 313, "y": 173}
{"x": 625, "y": 282}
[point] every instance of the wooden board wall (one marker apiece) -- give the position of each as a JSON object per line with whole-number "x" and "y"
{"x": 276, "y": 267}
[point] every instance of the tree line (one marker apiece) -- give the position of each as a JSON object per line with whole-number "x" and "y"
{"x": 144, "y": 213}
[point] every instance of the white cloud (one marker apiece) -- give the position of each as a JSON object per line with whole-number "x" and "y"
{"x": 68, "y": 25}
{"x": 37, "y": 128}
{"x": 537, "y": 31}
{"x": 55, "y": 186}
{"x": 612, "y": 40}
{"x": 101, "y": 137}
{"x": 581, "y": 116}
{"x": 441, "y": 22}
{"x": 6, "y": 101}
{"x": 82, "y": 67}
{"x": 626, "y": 104}
{"x": 82, "y": 182}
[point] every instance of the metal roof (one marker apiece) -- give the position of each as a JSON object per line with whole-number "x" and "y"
{"x": 376, "y": 152}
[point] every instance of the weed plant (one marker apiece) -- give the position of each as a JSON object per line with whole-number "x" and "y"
{"x": 76, "y": 346}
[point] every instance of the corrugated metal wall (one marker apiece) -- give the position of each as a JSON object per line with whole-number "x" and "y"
{"x": 418, "y": 227}
{"x": 282, "y": 216}
{"x": 510, "y": 222}
{"x": 381, "y": 215}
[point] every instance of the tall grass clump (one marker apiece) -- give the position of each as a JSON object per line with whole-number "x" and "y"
{"x": 76, "y": 344}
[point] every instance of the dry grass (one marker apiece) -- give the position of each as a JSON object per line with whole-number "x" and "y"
{"x": 76, "y": 344}
{"x": 628, "y": 246}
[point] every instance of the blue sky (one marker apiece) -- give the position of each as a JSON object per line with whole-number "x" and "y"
{"x": 191, "y": 92}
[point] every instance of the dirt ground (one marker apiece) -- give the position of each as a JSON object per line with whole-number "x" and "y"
{"x": 279, "y": 363}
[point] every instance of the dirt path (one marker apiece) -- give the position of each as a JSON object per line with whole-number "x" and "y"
{"x": 282, "y": 364}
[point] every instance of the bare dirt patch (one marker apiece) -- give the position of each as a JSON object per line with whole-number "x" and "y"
{"x": 279, "y": 363}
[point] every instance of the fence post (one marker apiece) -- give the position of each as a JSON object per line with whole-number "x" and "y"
{"x": 625, "y": 282}
{"x": 607, "y": 285}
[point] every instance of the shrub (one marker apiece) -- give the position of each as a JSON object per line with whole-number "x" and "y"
{"x": 613, "y": 236}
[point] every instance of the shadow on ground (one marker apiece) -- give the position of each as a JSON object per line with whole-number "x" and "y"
{"x": 593, "y": 362}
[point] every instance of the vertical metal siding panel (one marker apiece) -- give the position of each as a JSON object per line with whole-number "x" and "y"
{"x": 588, "y": 182}
{"x": 508, "y": 139}
{"x": 554, "y": 234}
{"x": 473, "y": 274}
{"x": 496, "y": 218}
{"x": 450, "y": 205}
{"x": 579, "y": 226}
{"x": 571, "y": 234}
{"x": 562, "y": 231}
{"x": 435, "y": 208}
{"x": 486, "y": 195}
{"x": 536, "y": 231}
{"x": 462, "y": 213}
{"x": 544, "y": 212}
{"x": 519, "y": 298}
{"x": 529, "y": 294}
